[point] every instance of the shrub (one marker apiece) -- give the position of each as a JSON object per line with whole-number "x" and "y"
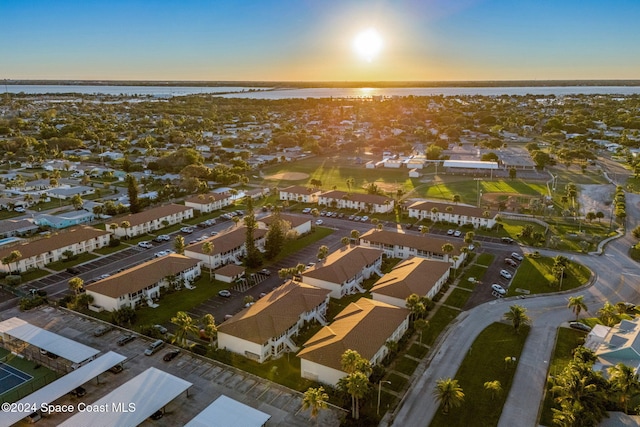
{"x": 114, "y": 242}
{"x": 29, "y": 303}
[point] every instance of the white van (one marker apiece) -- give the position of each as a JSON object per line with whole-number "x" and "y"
{"x": 154, "y": 347}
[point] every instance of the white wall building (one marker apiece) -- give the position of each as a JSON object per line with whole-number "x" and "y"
{"x": 453, "y": 214}
{"x": 150, "y": 220}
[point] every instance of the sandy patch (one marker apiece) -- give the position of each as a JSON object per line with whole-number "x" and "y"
{"x": 288, "y": 176}
{"x": 595, "y": 198}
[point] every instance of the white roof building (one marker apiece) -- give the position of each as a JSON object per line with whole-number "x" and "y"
{"x": 228, "y": 412}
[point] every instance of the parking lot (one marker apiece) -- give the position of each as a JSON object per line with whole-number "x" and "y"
{"x": 210, "y": 379}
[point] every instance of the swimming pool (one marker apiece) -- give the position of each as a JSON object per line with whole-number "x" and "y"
{"x": 8, "y": 240}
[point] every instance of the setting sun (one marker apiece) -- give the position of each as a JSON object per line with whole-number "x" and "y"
{"x": 368, "y": 44}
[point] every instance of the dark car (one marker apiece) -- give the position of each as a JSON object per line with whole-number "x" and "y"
{"x": 157, "y": 415}
{"x": 125, "y": 339}
{"x": 78, "y": 392}
{"x": 580, "y": 326}
{"x": 170, "y": 355}
{"x": 116, "y": 369}
{"x": 73, "y": 270}
{"x": 507, "y": 240}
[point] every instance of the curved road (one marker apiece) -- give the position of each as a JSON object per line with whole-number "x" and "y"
{"x": 616, "y": 278}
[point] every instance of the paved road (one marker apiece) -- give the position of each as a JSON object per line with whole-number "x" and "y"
{"x": 615, "y": 280}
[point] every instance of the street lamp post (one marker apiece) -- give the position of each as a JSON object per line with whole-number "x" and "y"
{"x": 478, "y": 192}
{"x": 379, "y": 390}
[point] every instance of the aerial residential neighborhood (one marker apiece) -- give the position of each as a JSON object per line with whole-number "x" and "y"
{"x": 267, "y": 256}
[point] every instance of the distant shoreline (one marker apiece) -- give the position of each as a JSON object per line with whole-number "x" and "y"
{"x": 346, "y": 84}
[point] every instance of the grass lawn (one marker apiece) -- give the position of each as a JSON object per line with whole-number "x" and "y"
{"x": 417, "y": 351}
{"x": 458, "y": 298}
{"x": 61, "y": 265}
{"x": 534, "y": 274}
{"x": 445, "y": 187}
{"x": 437, "y": 323}
{"x": 301, "y": 243}
{"x": 485, "y": 259}
{"x": 397, "y": 382}
{"x": 485, "y": 363}
{"x": 334, "y": 171}
{"x": 573, "y": 233}
{"x": 41, "y": 376}
{"x": 567, "y": 340}
{"x": 33, "y": 275}
{"x": 109, "y": 250}
{"x": 477, "y": 271}
{"x": 405, "y": 365}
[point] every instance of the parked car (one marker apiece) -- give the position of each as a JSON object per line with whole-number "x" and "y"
{"x": 125, "y": 339}
{"x": 318, "y": 222}
{"x": 507, "y": 240}
{"x": 161, "y": 329}
{"x": 580, "y": 326}
{"x": 471, "y": 247}
{"x": 364, "y": 218}
{"x": 499, "y": 289}
{"x": 157, "y": 415}
{"x": 101, "y": 330}
{"x": 457, "y": 233}
{"x": 450, "y": 232}
{"x": 511, "y": 262}
{"x": 265, "y": 272}
{"x": 224, "y": 293}
{"x": 169, "y": 356}
{"x": 19, "y": 209}
{"x": 162, "y": 238}
{"x": 187, "y": 230}
{"x": 351, "y": 217}
{"x": 73, "y": 270}
{"x": 154, "y": 347}
{"x": 505, "y": 274}
{"x": 517, "y": 256}
{"x": 306, "y": 210}
{"x": 78, "y": 392}
{"x": 340, "y": 215}
{"x": 145, "y": 244}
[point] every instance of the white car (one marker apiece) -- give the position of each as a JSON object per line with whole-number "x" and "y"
{"x": 449, "y": 232}
{"x": 187, "y": 230}
{"x": 499, "y": 289}
{"x": 364, "y": 218}
{"x": 163, "y": 238}
{"x": 517, "y": 256}
{"x": 160, "y": 254}
{"x": 457, "y": 233}
{"x": 506, "y": 274}
{"x": 145, "y": 244}
{"x": 471, "y": 247}
{"x": 319, "y": 222}
{"x": 19, "y": 209}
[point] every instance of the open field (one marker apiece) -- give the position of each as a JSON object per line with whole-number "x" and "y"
{"x": 536, "y": 276}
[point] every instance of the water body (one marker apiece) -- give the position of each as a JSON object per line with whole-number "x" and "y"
{"x": 273, "y": 94}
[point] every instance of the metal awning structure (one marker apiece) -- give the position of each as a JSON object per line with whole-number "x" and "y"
{"x": 71, "y": 350}
{"x": 229, "y": 413}
{"x": 148, "y": 392}
{"x": 62, "y": 386}
{"x": 470, "y": 164}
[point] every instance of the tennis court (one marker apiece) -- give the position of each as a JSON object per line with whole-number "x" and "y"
{"x": 11, "y": 378}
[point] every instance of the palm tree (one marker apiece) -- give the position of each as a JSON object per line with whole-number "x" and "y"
{"x": 416, "y": 306}
{"x": 207, "y": 249}
{"x": 607, "y": 314}
{"x": 75, "y": 284}
{"x": 12, "y": 258}
{"x": 125, "y": 225}
{"x": 625, "y": 381}
{"x": 351, "y": 362}
{"x": 456, "y": 198}
{"x": 517, "y": 315}
{"x": 577, "y": 304}
{"x": 315, "y": 399}
{"x": 323, "y": 251}
{"x": 209, "y": 327}
{"x": 345, "y": 241}
{"x": 179, "y": 245}
{"x": 185, "y": 325}
{"x": 357, "y": 385}
{"x": 493, "y": 387}
{"x": 350, "y": 183}
{"x": 355, "y": 235}
{"x": 448, "y": 393}
{"x": 447, "y": 248}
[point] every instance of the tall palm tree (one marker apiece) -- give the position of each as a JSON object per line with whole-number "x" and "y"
{"x": 420, "y": 325}
{"x": 315, "y": 399}
{"x": 323, "y": 251}
{"x": 449, "y": 393}
{"x": 416, "y": 306}
{"x": 345, "y": 241}
{"x": 625, "y": 381}
{"x": 185, "y": 325}
{"x": 179, "y": 245}
{"x": 207, "y": 249}
{"x": 493, "y": 387}
{"x": 357, "y": 385}
{"x": 518, "y": 317}
{"x": 209, "y": 327}
{"x": 577, "y": 304}
{"x": 126, "y": 225}
{"x": 75, "y": 284}
{"x": 351, "y": 362}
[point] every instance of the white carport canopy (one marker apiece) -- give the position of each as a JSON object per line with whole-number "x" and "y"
{"x": 470, "y": 164}
{"x": 41, "y": 338}
{"x": 149, "y": 391}
{"x": 64, "y": 385}
{"x": 229, "y": 413}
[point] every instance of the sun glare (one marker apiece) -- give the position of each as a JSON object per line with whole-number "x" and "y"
{"x": 368, "y": 44}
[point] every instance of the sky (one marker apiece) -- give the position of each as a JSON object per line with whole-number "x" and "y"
{"x": 313, "y": 40}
